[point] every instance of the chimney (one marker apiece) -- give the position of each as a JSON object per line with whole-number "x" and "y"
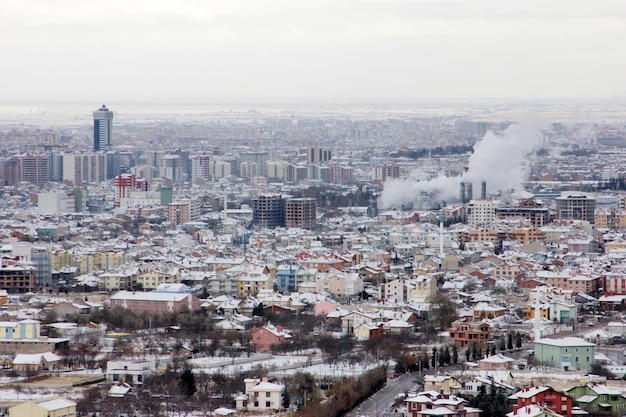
{"x": 462, "y": 192}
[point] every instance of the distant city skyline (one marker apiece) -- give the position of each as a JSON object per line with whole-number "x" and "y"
{"x": 319, "y": 50}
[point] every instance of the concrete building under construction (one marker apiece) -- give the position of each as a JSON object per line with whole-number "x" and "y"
{"x": 301, "y": 212}
{"x": 275, "y": 211}
{"x": 268, "y": 211}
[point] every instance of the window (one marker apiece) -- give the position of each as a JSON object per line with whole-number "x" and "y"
{"x": 256, "y": 404}
{"x": 268, "y": 404}
{"x": 267, "y": 394}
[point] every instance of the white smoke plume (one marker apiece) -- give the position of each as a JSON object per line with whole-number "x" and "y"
{"x": 497, "y": 159}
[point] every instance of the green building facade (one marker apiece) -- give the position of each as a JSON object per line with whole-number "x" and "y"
{"x": 569, "y": 353}
{"x": 598, "y": 399}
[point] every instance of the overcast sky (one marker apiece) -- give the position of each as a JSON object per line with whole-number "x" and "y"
{"x": 109, "y": 51}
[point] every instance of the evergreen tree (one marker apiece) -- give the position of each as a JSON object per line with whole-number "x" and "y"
{"x": 502, "y": 345}
{"x": 258, "y": 310}
{"x": 447, "y": 358}
{"x": 518, "y": 340}
{"x": 493, "y": 349}
{"x": 474, "y": 351}
{"x": 187, "y": 383}
{"x": 455, "y": 355}
{"x": 468, "y": 354}
{"x": 286, "y": 400}
{"x": 434, "y": 358}
{"x": 509, "y": 342}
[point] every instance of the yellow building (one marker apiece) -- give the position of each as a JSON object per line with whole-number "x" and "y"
{"x": 526, "y": 235}
{"x": 615, "y": 245}
{"x": 150, "y": 280}
{"x": 425, "y": 288}
{"x": 610, "y": 219}
{"x": 19, "y": 330}
{"x": 102, "y": 260}
{"x": 529, "y": 312}
{"x": 45, "y": 407}
{"x": 252, "y": 283}
{"x": 62, "y": 258}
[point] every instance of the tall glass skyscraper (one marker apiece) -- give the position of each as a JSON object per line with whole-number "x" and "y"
{"x": 102, "y": 129}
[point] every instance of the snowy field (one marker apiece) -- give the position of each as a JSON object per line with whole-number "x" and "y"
{"x": 280, "y": 365}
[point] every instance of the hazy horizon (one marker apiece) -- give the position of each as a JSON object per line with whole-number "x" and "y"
{"x": 311, "y": 50}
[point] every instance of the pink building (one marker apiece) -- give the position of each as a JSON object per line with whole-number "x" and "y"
{"x": 325, "y": 307}
{"x": 269, "y": 335}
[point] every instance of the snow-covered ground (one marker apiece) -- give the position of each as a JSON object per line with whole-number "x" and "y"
{"x": 280, "y": 365}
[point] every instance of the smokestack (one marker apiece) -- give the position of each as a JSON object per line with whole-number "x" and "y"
{"x": 483, "y": 190}
{"x": 462, "y": 193}
{"x": 470, "y": 196}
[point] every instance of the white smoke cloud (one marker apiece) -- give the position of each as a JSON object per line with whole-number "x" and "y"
{"x": 497, "y": 159}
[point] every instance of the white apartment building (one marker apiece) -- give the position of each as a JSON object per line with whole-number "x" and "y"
{"x": 482, "y": 212}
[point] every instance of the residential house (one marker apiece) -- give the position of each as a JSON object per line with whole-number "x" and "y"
{"x": 488, "y": 311}
{"x": 393, "y": 290}
{"x": 598, "y": 399}
{"x": 445, "y": 384}
{"x": 71, "y": 308}
{"x": 252, "y": 282}
{"x": 367, "y": 331}
{"x": 353, "y": 319}
{"x": 264, "y": 338}
{"x": 433, "y": 403}
{"x": 424, "y": 288}
{"x": 260, "y": 396}
{"x": 533, "y": 410}
{"x": 340, "y": 284}
{"x": 467, "y": 333}
{"x": 473, "y": 386}
{"x": 545, "y": 396}
{"x": 150, "y": 279}
{"x": 496, "y": 363}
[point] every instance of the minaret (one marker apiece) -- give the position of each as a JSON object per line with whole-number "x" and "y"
{"x": 537, "y": 321}
{"x": 441, "y": 236}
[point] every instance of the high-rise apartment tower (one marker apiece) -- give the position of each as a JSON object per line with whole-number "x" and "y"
{"x": 102, "y": 129}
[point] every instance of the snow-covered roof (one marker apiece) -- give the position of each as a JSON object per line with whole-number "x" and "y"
{"x": 565, "y": 342}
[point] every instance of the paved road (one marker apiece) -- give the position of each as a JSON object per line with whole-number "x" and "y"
{"x": 386, "y": 397}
